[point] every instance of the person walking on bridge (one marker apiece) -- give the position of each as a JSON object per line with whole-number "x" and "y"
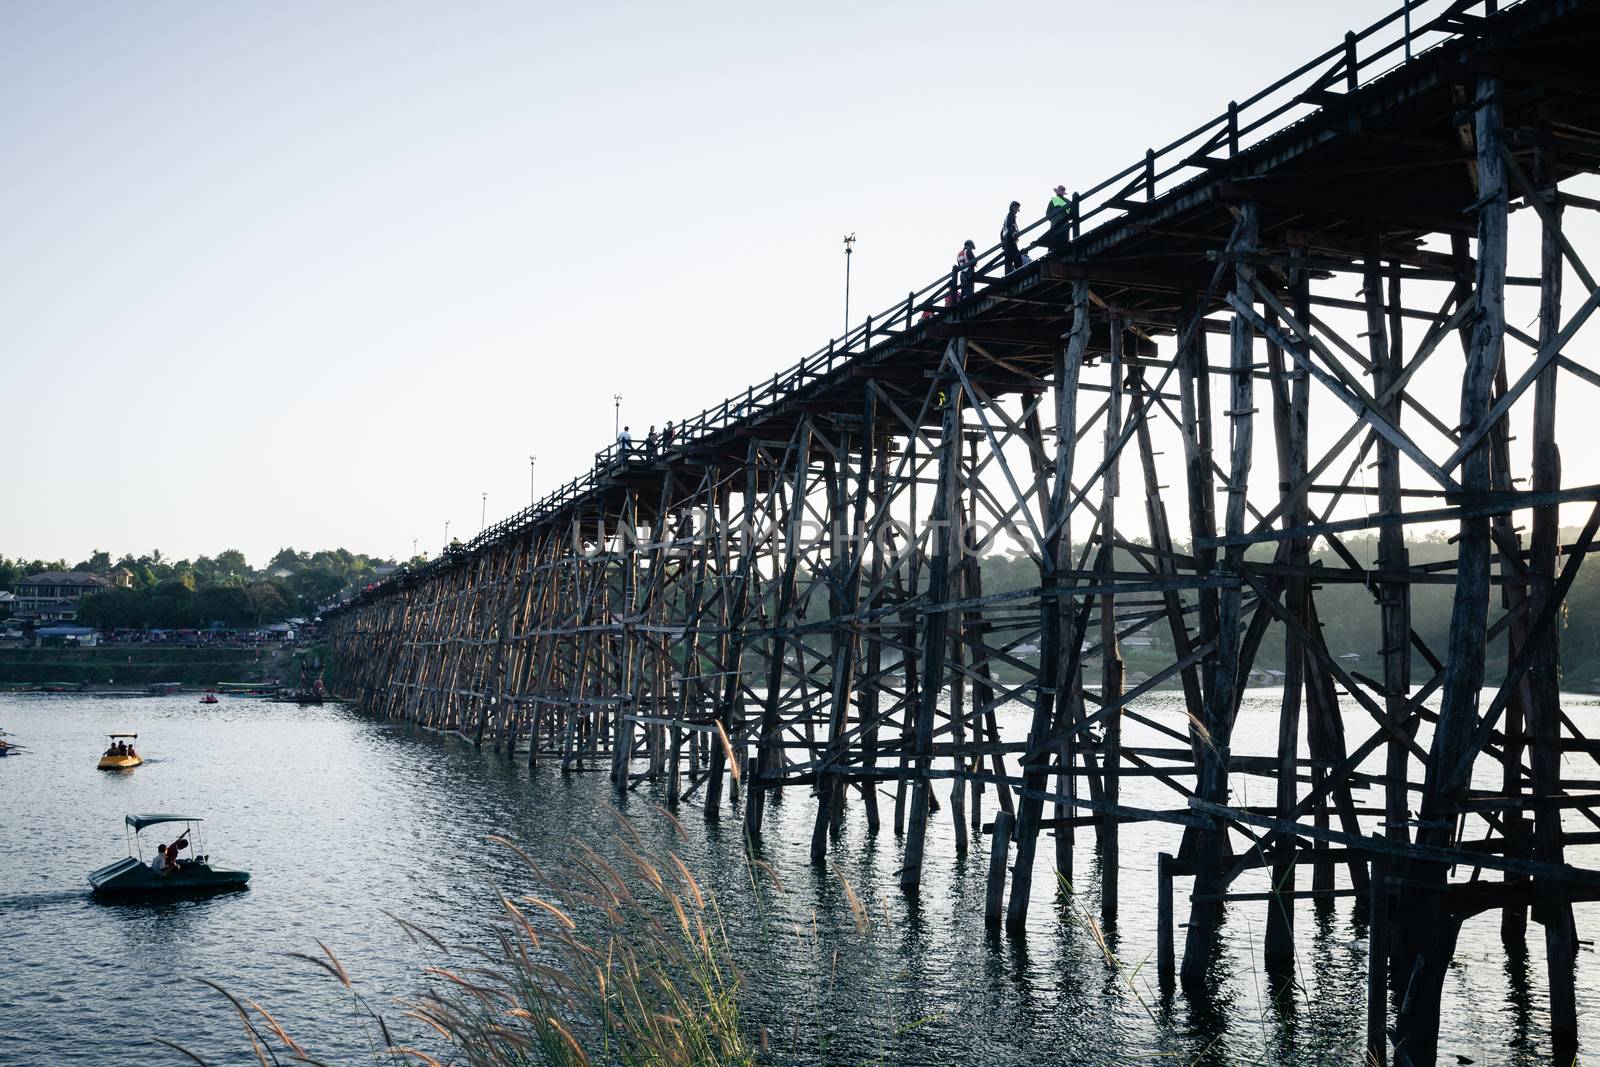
{"x": 1059, "y": 207}
{"x": 1008, "y": 238}
{"x": 1056, "y": 213}
{"x": 961, "y": 275}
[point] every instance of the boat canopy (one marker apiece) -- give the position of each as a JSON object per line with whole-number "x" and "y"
{"x": 122, "y": 735}
{"x": 139, "y": 822}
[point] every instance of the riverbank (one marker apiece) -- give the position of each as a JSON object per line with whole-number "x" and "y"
{"x": 119, "y": 667}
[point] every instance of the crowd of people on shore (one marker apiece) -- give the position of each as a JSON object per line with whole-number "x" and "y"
{"x": 207, "y": 638}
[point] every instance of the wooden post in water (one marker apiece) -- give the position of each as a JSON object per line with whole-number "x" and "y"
{"x": 935, "y": 623}
{"x": 1165, "y": 961}
{"x": 1205, "y": 909}
{"x": 999, "y": 847}
{"x": 1427, "y": 928}
{"x": 1055, "y": 657}
{"x": 1378, "y": 967}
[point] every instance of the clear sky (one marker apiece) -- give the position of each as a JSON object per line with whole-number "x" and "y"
{"x": 321, "y": 274}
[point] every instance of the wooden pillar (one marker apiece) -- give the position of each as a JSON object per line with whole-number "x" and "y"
{"x": 1544, "y": 711}
{"x": 955, "y": 656}
{"x": 909, "y": 629}
{"x": 1378, "y": 967}
{"x": 936, "y": 622}
{"x": 999, "y": 846}
{"x": 731, "y": 643}
{"x": 1427, "y": 927}
{"x": 625, "y": 606}
{"x": 1205, "y": 911}
{"x": 1289, "y": 417}
{"x": 1110, "y": 654}
{"x": 769, "y": 753}
{"x": 872, "y": 688}
{"x": 844, "y": 602}
{"x": 1394, "y": 597}
{"x": 1053, "y": 697}
{"x": 1165, "y": 961}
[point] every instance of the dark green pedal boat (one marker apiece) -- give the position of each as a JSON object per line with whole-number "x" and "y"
{"x": 132, "y": 876}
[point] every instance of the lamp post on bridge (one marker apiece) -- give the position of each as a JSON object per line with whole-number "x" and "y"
{"x": 616, "y": 419}
{"x": 849, "y": 250}
{"x": 533, "y": 495}
{"x": 483, "y": 513}
{"x": 447, "y": 535}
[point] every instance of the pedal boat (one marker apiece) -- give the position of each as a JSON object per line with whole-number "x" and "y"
{"x": 111, "y": 761}
{"x": 132, "y": 877}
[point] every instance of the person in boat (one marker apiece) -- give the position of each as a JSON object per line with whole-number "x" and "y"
{"x": 128, "y": 750}
{"x": 171, "y": 854}
{"x": 158, "y": 862}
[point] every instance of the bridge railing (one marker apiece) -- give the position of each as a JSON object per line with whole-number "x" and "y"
{"x": 1408, "y": 31}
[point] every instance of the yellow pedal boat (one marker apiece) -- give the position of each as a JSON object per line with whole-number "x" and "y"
{"x": 121, "y": 756}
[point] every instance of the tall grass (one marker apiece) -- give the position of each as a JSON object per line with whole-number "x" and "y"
{"x": 599, "y": 965}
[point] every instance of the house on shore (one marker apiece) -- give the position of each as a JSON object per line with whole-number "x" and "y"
{"x": 52, "y": 596}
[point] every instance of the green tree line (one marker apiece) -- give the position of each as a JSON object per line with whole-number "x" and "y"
{"x": 187, "y": 594}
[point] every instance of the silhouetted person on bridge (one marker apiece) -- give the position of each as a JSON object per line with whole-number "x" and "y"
{"x": 1008, "y": 238}
{"x": 961, "y": 273}
{"x": 1058, "y": 209}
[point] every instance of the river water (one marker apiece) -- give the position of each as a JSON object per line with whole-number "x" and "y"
{"x": 342, "y": 818}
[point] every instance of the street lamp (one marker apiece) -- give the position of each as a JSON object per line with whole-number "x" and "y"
{"x": 447, "y": 533}
{"x": 849, "y": 241}
{"x": 533, "y": 495}
{"x": 616, "y": 421}
{"x": 483, "y": 512}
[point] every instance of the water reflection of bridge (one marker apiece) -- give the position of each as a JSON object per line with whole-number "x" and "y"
{"x": 787, "y": 594}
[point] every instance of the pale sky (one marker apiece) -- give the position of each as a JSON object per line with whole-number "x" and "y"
{"x": 321, "y": 274}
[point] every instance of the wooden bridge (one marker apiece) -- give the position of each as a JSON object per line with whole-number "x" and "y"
{"x": 1297, "y": 313}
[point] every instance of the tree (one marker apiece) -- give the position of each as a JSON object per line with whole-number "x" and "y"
{"x": 313, "y": 588}
{"x": 114, "y": 609}
{"x": 288, "y": 559}
{"x": 99, "y": 562}
{"x": 268, "y": 603}
{"x": 228, "y": 604}
{"x": 231, "y": 566}
{"x": 172, "y": 605}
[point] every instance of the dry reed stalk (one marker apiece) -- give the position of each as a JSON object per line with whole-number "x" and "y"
{"x": 727, "y": 748}
{"x": 631, "y": 966}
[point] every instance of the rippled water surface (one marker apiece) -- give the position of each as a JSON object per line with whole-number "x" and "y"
{"x": 342, "y": 818}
